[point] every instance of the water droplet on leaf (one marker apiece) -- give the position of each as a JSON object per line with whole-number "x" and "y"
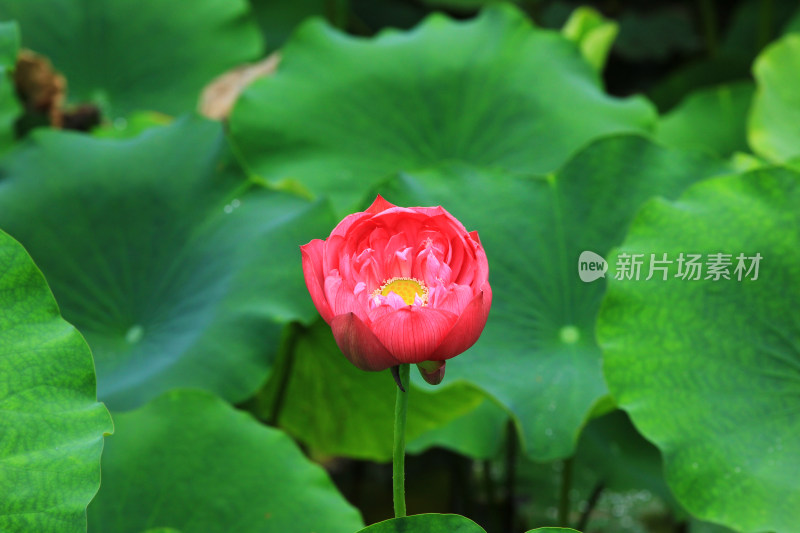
{"x": 569, "y": 334}
{"x": 134, "y": 334}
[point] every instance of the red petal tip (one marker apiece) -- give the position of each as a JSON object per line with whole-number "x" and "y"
{"x": 379, "y": 205}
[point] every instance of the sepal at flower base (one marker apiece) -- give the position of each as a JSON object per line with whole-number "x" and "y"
{"x": 432, "y": 371}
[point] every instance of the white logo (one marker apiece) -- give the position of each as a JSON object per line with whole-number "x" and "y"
{"x": 591, "y": 266}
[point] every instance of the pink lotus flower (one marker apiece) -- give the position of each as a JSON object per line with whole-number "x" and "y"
{"x": 400, "y": 285}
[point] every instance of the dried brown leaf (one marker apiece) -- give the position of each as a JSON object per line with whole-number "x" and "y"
{"x": 220, "y": 95}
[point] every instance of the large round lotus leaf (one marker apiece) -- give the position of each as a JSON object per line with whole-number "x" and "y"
{"x": 9, "y": 108}
{"x": 138, "y": 54}
{"x": 774, "y": 130}
{"x": 553, "y": 530}
{"x": 709, "y": 370}
{"x": 440, "y": 523}
{"x": 52, "y": 426}
{"x": 343, "y": 113}
{"x": 712, "y": 119}
{"x": 426, "y": 523}
{"x": 537, "y": 355}
{"x": 190, "y": 462}
{"x": 172, "y": 266}
{"x": 337, "y": 409}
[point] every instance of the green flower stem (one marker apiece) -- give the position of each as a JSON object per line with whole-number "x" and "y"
{"x": 283, "y": 370}
{"x": 399, "y": 449}
{"x": 594, "y": 497}
{"x": 512, "y": 451}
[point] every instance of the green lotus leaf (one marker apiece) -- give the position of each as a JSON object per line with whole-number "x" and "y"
{"x": 188, "y": 461}
{"x": 712, "y": 119}
{"x": 343, "y": 113}
{"x": 553, "y": 530}
{"x": 774, "y": 129}
{"x": 708, "y": 367}
{"x": 480, "y": 434}
{"x": 537, "y": 355}
{"x": 594, "y": 34}
{"x": 426, "y": 523}
{"x": 171, "y": 264}
{"x": 52, "y": 426}
{"x": 130, "y": 55}
{"x": 440, "y": 523}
